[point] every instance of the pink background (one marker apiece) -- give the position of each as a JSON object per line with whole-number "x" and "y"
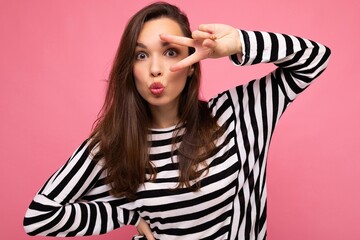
{"x": 55, "y": 57}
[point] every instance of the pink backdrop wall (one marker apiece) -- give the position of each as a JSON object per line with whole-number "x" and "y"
{"x": 55, "y": 56}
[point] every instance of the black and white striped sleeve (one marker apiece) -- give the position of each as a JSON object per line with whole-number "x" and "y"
{"x": 256, "y": 107}
{"x": 299, "y": 60}
{"x": 63, "y": 206}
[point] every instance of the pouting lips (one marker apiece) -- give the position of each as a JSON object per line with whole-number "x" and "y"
{"x": 156, "y": 88}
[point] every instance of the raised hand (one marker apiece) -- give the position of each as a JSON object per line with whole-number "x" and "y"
{"x": 209, "y": 41}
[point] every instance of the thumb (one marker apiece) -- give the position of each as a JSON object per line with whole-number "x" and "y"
{"x": 144, "y": 229}
{"x": 149, "y": 236}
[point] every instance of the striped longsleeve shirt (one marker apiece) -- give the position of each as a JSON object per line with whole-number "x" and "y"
{"x": 231, "y": 202}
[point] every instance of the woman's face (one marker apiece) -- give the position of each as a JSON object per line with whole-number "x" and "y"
{"x": 160, "y": 87}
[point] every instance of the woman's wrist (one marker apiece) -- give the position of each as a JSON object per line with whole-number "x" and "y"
{"x": 239, "y": 45}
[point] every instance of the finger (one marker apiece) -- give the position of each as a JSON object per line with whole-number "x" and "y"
{"x": 209, "y": 43}
{"x": 197, "y": 34}
{"x": 210, "y": 28}
{"x": 186, "y": 62}
{"x": 184, "y": 41}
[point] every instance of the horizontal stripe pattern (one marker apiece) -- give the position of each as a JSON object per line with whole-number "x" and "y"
{"x": 231, "y": 203}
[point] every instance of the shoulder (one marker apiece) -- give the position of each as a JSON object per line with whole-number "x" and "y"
{"x": 224, "y": 105}
{"x": 226, "y": 98}
{"x": 89, "y": 150}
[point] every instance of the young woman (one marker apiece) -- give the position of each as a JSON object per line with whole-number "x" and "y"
{"x": 163, "y": 160}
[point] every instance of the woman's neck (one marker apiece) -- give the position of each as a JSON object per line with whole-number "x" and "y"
{"x": 164, "y": 117}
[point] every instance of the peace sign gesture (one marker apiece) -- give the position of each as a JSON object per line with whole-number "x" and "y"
{"x": 209, "y": 41}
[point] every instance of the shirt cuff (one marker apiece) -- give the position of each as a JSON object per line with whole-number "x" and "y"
{"x": 238, "y": 59}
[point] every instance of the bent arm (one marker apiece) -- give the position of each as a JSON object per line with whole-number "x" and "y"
{"x": 299, "y": 60}
{"x": 75, "y": 202}
{"x": 302, "y": 58}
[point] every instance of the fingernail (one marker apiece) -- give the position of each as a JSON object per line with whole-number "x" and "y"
{"x": 213, "y": 37}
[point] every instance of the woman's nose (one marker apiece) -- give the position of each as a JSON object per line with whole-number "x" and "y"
{"x": 156, "y": 67}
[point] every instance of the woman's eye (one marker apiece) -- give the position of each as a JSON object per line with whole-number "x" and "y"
{"x": 171, "y": 53}
{"x": 141, "y": 56}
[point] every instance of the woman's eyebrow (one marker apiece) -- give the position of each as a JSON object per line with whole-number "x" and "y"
{"x": 141, "y": 45}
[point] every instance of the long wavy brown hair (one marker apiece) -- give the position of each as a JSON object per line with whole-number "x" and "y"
{"x": 121, "y": 132}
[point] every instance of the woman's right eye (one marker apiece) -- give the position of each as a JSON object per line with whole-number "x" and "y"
{"x": 140, "y": 56}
